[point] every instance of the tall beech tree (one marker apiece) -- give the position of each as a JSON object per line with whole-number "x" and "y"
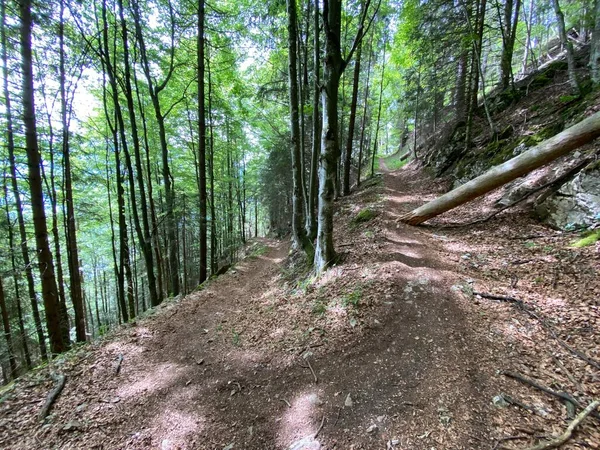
{"x": 334, "y": 65}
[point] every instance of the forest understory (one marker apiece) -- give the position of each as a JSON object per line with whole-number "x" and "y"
{"x": 398, "y": 346}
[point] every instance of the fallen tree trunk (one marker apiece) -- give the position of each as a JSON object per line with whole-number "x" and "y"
{"x": 540, "y": 155}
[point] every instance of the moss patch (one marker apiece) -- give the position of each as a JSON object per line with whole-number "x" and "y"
{"x": 589, "y": 238}
{"x": 364, "y": 215}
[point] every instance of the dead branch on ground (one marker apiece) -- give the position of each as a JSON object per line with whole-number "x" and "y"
{"x": 560, "y": 440}
{"x": 521, "y": 305}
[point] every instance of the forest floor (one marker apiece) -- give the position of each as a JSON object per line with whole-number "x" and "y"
{"x": 389, "y": 349}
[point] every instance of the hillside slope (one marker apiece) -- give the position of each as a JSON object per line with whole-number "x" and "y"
{"x": 388, "y": 349}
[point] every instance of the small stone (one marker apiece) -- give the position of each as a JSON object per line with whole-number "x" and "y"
{"x": 81, "y": 407}
{"x": 315, "y": 400}
{"x": 307, "y": 443}
{"x": 372, "y": 429}
{"x": 499, "y": 401}
{"x": 72, "y": 425}
{"x": 380, "y": 418}
{"x": 349, "y": 403}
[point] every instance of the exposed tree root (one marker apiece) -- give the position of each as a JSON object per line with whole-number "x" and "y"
{"x": 53, "y": 395}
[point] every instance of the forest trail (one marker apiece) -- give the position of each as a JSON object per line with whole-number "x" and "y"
{"x": 402, "y": 357}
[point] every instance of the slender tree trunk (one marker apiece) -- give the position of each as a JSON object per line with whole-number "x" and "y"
{"x": 352, "y": 120}
{"x": 364, "y": 125}
{"x": 528, "y": 24}
{"x": 299, "y": 240}
{"x": 13, "y": 263}
{"x": 8, "y": 334}
{"x": 595, "y": 47}
{"x": 16, "y": 194}
{"x": 509, "y": 34}
{"x": 46, "y": 264}
{"x": 154, "y": 232}
{"x": 330, "y": 146}
{"x": 378, "y": 110}
{"x": 154, "y": 90}
{"x": 143, "y": 234}
{"x": 72, "y": 253}
{"x": 311, "y": 218}
{"x": 568, "y": 46}
{"x": 202, "y": 275}
{"x": 211, "y": 167}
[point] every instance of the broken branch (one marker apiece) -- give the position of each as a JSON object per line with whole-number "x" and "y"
{"x": 560, "y": 440}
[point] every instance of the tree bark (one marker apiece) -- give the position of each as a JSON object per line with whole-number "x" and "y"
{"x": 561, "y": 144}
{"x": 7, "y": 333}
{"x": 568, "y": 45}
{"x": 71, "y": 235}
{"x": 16, "y": 194}
{"x": 46, "y": 264}
{"x": 202, "y": 274}
{"x": 154, "y": 90}
{"x": 16, "y": 276}
{"x": 509, "y": 34}
{"x": 595, "y": 47}
{"x": 333, "y": 68}
{"x": 299, "y": 241}
{"x": 352, "y": 120}
{"x": 311, "y": 218}
{"x": 143, "y": 234}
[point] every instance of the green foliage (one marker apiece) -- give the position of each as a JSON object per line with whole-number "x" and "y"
{"x": 353, "y": 298}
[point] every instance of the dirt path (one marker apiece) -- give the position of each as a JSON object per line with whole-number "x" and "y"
{"x": 402, "y": 357}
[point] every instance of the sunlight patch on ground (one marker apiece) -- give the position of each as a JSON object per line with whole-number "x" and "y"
{"x": 163, "y": 376}
{"x": 129, "y": 349}
{"x": 301, "y": 419}
{"x": 175, "y": 428}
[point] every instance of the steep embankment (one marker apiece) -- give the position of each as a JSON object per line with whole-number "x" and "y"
{"x": 540, "y": 107}
{"x": 388, "y": 349}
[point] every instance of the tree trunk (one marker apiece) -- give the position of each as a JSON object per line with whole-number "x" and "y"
{"x": 330, "y": 146}
{"x": 72, "y": 250}
{"x": 364, "y": 126}
{"x": 595, "y": 47}
{"x": 509, "y": 34}
{"x": 143, "y": 234}
{"x": 154, "y": 90}
{"x": 352, "y": 120}
{"x": 16, "y": 194}
{"x": 299, "y": 241}
{"x": 16, "y": 276}
{"x": 528, "y": 25}
{"x": 311, "y": 218}
{"x": 373, "y": 156}
{"x": 559, "y": 145}
{"x": 333, "y": 68}
{"x": 202, "y": 275}
{"x": 46, "y": 264}
{"x": 7, "y": 334}
{"x": 568, "y": 46}
{"x": 211, "y": 167}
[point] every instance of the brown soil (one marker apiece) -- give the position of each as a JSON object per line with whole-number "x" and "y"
{"x": 393, "y": 325}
